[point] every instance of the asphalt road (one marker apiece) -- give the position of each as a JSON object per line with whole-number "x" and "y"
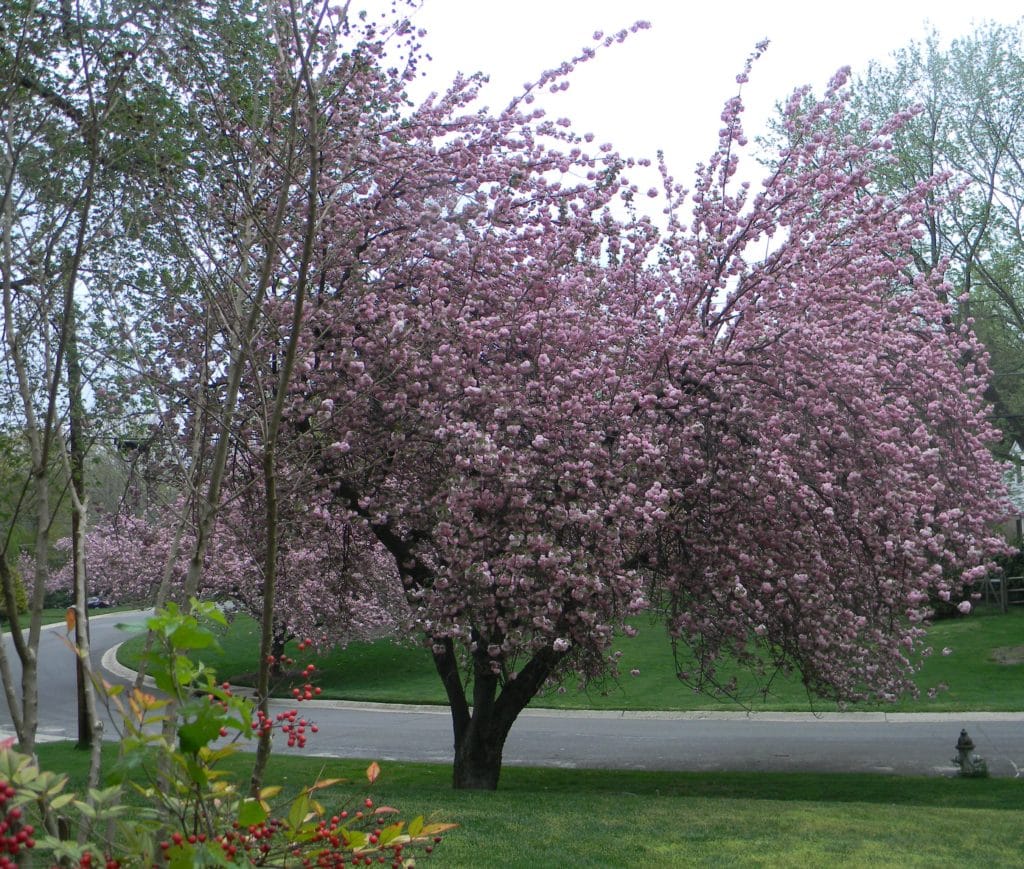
{"x": 904, "y": 744}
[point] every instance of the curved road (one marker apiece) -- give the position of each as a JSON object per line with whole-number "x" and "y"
{"x": 906, "y": 744}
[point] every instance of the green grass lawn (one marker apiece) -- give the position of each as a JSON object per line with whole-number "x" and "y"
{"x": 55, "y": 615}
{"x": 558, "y": 818}
{"x": 391, "y": 672}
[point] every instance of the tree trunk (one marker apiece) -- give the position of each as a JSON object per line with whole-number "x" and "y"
{"x": 481, "y": 730}
{"x": 270, "y": 639}
{"x": 477, "y": 763}
{"x": 76, "y": 472}
{"x": 277, "y": 649}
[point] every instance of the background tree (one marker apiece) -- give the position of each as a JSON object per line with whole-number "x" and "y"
{"x": 334, "y": 586}
{"x": 970, "y": 130}
{"x": 71, "y": 82}
{"x": 229, "y": 357}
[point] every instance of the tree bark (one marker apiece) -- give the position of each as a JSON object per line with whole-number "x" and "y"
{"x": 303, "y": 85}
{"x": 477, "y": 765}
{"x": 76, "y": 470}
{"x": 480, "y": 731}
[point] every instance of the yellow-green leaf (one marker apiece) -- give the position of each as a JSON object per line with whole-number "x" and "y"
{"x": 434, "y": 829}
{"x": 320, "y": 784}
{"x": 356, "y": 839}
{"x": 299, "y": 810}
{"x": 390, "y": 833}
{"x": 251, "y": 812}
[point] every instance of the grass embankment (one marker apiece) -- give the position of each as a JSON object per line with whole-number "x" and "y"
{"x": 391, "y": 672}
{"x": 57, "y": 615}
{"x": 550, "y": 817}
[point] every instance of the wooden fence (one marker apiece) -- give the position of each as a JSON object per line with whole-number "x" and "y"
{"x": 1005, "y": 591}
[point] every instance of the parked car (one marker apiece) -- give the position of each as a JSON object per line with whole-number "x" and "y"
{"x": 96, "y": 602}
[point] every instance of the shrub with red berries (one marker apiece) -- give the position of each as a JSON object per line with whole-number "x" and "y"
{"x": 196, "y": 813}
{"x": 15, "y": 835}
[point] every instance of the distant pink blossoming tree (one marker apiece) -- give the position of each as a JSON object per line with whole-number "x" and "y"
{"x": 336, "y": 585}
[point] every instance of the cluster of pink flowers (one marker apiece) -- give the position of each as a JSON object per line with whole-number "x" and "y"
{"x": 335, "y": 584}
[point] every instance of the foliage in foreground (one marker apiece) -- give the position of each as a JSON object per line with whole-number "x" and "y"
{"x": 172, "y": 803}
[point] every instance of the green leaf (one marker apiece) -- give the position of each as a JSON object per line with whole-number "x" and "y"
{"x": 216, "y": 614}
{"x": 196, "y": 734}
{"x": 390, "y": 833}
{"x": 100, "y": 796}
{"x": 251, "y": 812}
{"x": 190, "y": 636}
{"x": 61, "y": 800}
{"x": 320, "y": 784}
{"x": 299, "y": 810}
{"x": 183, "y": 856}
{"x": 85, "y": 809}
{"x": 165, "y": 681}
{"x": 356, "y": 839}
{"x": 416, "y": 825}
{"x": 196, "y": 771}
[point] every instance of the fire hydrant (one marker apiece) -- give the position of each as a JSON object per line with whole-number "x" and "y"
{"x": 970, "y": 765}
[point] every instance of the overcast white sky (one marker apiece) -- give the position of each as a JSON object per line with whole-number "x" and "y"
{"x": 664, "y": 87}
